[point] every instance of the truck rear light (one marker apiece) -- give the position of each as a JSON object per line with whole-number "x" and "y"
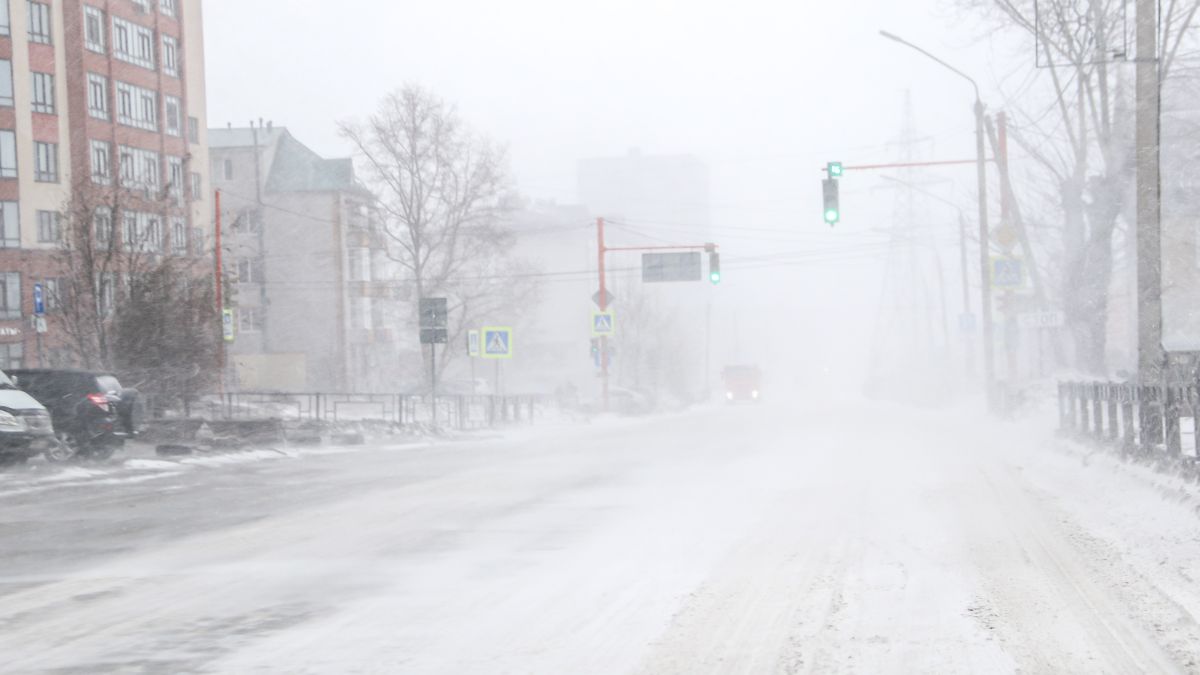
{"x": 99, "y": 400}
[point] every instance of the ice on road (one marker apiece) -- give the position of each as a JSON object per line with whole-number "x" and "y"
{"x": 856, "y": 538}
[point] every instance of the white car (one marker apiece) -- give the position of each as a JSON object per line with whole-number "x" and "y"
{"x": 25, "y": 427}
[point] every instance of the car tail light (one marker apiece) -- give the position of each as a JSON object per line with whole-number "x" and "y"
{"x": 99, "y": 400}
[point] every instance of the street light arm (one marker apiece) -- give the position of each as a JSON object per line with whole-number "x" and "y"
{"x": 956, "y": 71}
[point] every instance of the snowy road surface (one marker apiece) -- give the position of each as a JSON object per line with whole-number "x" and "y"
{"x": 845, "y": 538}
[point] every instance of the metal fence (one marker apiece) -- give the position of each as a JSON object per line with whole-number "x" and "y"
{"x": 459, "y": 412}
{"x": 1147, "y": 420}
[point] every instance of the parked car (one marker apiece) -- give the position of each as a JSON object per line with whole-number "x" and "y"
{"x": 92, "y": 413}
{"x": 25, "y": 426}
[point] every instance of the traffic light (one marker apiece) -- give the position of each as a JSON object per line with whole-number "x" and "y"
{"x": 714, "y": 267}
{"x": 833, "y": 213}
{"x": 833, "y": 169}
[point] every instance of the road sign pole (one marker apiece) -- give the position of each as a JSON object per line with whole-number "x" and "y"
{"x": 603, "y": 308}
{"x": 433, "y": 384}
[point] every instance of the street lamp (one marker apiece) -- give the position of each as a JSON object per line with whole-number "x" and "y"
{"x": 985, "y": 291}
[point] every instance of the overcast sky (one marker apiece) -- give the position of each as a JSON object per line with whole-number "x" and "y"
{"x": 766, "y": 91}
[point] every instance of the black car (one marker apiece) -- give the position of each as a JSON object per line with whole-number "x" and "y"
{"x": 92, "y": 413}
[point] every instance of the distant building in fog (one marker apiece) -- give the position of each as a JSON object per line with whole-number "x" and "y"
{"x": 308, "y": 268}
{"x": 668, "y": 192}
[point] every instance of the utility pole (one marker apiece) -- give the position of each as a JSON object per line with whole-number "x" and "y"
{"x": 603, "y": 308}
{"x": 985, "y": 280}
{"x": 220, "y": 289}
{"x": 1149, "y": 234}
{"x": 260, "y": 227}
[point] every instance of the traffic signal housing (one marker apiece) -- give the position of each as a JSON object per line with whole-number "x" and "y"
{"x": 834, "y": 170}
{"x": 714, "y": 267}
{"x": 832, "y": 212}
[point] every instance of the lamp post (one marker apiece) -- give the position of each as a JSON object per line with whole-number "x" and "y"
{"x": 985, "y": 290}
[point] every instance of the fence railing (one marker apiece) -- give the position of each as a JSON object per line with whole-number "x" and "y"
{"x": 1148, "y": 420}
{"x": 459, "y": 412}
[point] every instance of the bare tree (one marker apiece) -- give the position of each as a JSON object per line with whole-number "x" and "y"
{"x": 444, "y": 194}
{"x": 1080, "y": 134}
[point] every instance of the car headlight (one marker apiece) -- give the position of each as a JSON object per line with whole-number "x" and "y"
{"x": 10, "y": 422}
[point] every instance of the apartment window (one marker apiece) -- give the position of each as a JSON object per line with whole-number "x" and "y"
{"x": 129, "y": 230}
{"x": 149, "y": 177}
{"x": 360, "y": 264}
{"x": 227, "y": 169}
{"x": 175, "y": 177}
{"x": 171, "y": 104}
{"x": 98, "y": 96}
{"x": 170, "y": 56}
{"x": 139, "y": 168}
{"x": 193, "y": 130}
{"x": 197, "y": 186}
{"x": 93, "y": 29}
{"x": 45, "y": 162}
{"x": 6, "y": 82}
{"x": 143, "y": 5}
{"x": 179, "y": 242}
{"x": 101, "y": 162}
{"x": 43, "y": 93}
{"x": 249, "y": 320}
{"x": 39, "y": 22}
{"x": 102, "y": 221}
{"x": 5, "y": 23}
{"x": 48, "y": 227}
{"x": 10, "y": 225}
{"x": 250, "y": 271}
{"x": 153, "y": 233}
{"x": 10, "y": 295}
{"x": 54, "y": 290}
{"x": 12, "y": 355}
{"x": 107, "y": 285}
{"x": 168, "y": 7}
{"x": 133, "y": 43}
{"x": 8, "y": 154}
{"x": 137, "y": 107}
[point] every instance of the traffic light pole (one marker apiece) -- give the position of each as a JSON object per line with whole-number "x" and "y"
{"x": 602, "y": 249}
{"x": 985, "y": 279}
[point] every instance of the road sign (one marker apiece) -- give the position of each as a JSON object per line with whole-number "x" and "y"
{"x": 434, "y": 336}
{"x": 604, "y": 324}
{"x": 39, "y": 300}
{"x": 497, "y": 342}
{"x": 1050, "y": 319}
{"x": 39, "y": 324}
{"x": 1005, "y": 236}
{"x": 1007, "y": 273}
{"x": 609, "y": 298}
{"x": 472, "y": 343}
{"x": 661, "y": 267}
{"x": 227, "y": 324}
{"x": 433, "y": 313}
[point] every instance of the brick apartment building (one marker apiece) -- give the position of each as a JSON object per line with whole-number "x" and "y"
{"x": 95, "y": 95}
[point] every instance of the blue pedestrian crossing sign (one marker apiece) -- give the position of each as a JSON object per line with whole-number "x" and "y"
{"x": 497, "y": 342}
{"x": 1007, "y": 273}
{"x": 603, "y": 324}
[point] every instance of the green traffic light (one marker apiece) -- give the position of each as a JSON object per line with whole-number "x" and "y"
{"x": 834, "y": 169}
{"x": 832, "y": 216}
{"x": 715, "y": 277}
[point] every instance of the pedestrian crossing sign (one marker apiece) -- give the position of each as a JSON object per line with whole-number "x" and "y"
{"x": 497, "y": 342}
{"x": 604, "y": 324}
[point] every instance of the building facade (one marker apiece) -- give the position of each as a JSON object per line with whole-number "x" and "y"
{"x": 96, "y": 96}
{"x": 309, "y": 275}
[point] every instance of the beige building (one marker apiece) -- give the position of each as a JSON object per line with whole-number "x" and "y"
{"x": 310, "y": 280}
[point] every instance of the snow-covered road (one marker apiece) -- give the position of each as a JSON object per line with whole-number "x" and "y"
{"x": 847, "y": 537}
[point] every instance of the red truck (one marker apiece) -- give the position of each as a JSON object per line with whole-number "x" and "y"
{"x": 742, "y": 383}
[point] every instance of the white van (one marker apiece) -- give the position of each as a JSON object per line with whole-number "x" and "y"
{"x": 25, "y": 427}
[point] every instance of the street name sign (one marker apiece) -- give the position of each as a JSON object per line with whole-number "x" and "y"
{"x": 1050, "y": 319}
{"x": 497, "y": 342}
{"x": 664, "y": 267}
